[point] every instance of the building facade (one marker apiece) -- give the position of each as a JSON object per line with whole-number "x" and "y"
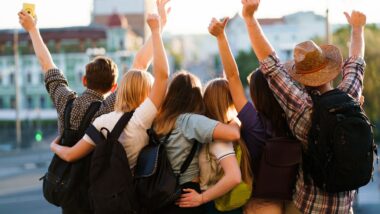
{"x": 134, "y": 11}
{"x": 72, "y": 48}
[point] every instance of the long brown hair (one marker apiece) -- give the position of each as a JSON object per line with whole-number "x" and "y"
{"x": 220, "y": 107}
{"x": 184, "y": 96}
{"x": 266, "y": 104}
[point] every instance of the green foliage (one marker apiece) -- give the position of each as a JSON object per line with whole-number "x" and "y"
{"x": 247, "y": 62}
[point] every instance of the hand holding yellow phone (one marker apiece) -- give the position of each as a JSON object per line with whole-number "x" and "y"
{"x": 30, "y": 9}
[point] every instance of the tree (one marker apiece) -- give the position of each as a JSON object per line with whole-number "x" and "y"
{"x": 247, "y": 62}
{"x": 372, "y": 71}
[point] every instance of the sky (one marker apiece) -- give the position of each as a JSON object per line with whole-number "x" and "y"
{"x": 187, "y": 16}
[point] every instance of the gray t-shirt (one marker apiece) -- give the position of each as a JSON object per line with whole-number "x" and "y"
{"x": 188, "y": 127}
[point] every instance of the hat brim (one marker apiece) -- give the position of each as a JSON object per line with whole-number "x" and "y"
{"x": 322, "y": 76}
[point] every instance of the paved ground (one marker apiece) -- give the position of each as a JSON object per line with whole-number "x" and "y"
{"x": 20, "y": 188}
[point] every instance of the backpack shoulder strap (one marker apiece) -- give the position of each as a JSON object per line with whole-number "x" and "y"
{"x": 95, "y": 135}
{"x": 67, "y": 114}
{"x": 120, "y": 125}
{"x": 190, "y": 157}
{"x": 89, "y": 115}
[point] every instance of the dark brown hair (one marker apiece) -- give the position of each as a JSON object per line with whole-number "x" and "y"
{"x": 101, "y": 74}
{"x": 184, "y": 96}
{"x": 266, "y": 104}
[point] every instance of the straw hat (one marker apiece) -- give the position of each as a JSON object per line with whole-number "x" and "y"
{"x": 314, "y": 65}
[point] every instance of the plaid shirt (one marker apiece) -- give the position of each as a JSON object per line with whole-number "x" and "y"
{"x": 297, "y": 104}
{"x": 60, "y": 93}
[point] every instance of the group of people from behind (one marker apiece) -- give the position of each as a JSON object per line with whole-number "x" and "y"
{"x": 231, "y": 129}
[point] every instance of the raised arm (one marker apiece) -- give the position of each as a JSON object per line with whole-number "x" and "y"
{"x": 259, "y": 42}
{"x": 357, "y": 20}
{"x": 216, "y": 29}
{"x": 144, "y": 56}
{"x": 231, "y": 178}
{"x": 42, "y": 52}
{"x": 353, "y": 69}
{"x": 160, "y": 62}
{"x": 294, "y": 99}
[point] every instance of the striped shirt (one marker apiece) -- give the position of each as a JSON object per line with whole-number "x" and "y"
{"x": 60, "y": 93}
{"x": 297, "y": 104}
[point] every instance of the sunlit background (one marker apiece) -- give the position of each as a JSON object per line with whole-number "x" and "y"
{"x": 191, "y": 16}
{"x": 77, "y": 30}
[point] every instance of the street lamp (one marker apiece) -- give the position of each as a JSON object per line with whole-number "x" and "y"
{"x": 17, "y": 89}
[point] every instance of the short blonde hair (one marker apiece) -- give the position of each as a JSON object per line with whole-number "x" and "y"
{"x": 134, "y": 88}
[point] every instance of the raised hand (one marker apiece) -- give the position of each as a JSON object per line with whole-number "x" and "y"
{"x": 27, "y": 21}
{"x": 162, "y": 10}
{"x": 153, "y": 21}
{"x": 356, "y": 19}
{"x": 216, "y": 28}
{"x": 249, "y": 7}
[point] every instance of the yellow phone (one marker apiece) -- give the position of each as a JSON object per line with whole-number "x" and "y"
{"x": 29, "y": 8}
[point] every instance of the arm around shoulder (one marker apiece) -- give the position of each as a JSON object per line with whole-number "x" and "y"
{"x": 71, "y": 154}
{"x": 226, "y": 132}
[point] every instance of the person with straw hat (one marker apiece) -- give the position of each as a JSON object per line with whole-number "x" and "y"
{"x": 313, "y": 67}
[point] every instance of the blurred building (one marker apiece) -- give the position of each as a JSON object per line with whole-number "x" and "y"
{"x": 133, "y": 10}
{"x": 71, "y": 48}
{"x": 200, "y": 55}
{"x": 283, "y": 33}
{"x": 196, "y": 53}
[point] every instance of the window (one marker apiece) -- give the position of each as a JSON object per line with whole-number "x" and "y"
{"x": 27, "y": 63}
{"x": 42, "y": 78}
{"x": 80, "y": 76}
{"x": 288, "y": 54}
{"x": 11, "y": 62}
{"x": 29, "y": 78}
{"x": 12, "y": 79}
{"x": 13, "y": 102}
{"x": 42, "y": 102}
{"x": 29, "y": 102}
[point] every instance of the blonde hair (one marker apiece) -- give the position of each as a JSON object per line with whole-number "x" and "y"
{"x": 134, "y": 88}
{"x": 219, "y": 106}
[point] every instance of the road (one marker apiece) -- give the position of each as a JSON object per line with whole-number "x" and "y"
{"x": 26, "y": 200}
{"x": 20, "y": 188}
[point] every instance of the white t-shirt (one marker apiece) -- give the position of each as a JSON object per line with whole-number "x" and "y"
{"x": 134, "y": 136}
{"x": 209, "y": 162}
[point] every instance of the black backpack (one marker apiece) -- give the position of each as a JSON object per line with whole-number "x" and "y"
{"x": 111, "y": 182}
{"x": 157, "y": 186}
{"x": 66, "y": 184}
{"x": 340, "y": 152}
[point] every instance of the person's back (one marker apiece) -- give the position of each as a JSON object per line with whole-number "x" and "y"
{"x": 99, "y": 80}
{"x": 137, "y": 101}
{"x": 181, "y": 116}
{"x": 316, "y": 67}
{"x": 261, "y": 120}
